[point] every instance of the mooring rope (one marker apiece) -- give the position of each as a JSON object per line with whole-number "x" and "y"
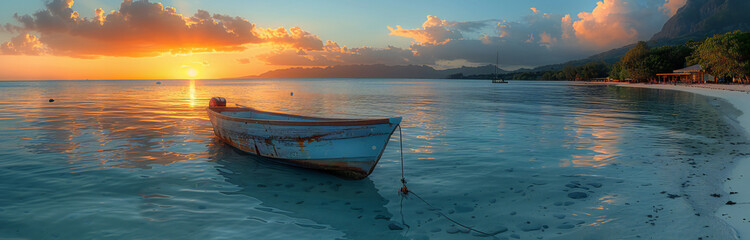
{"x": 434, "y": 209}
{"x": 405, "y": 191}
{"x": 401, "y": 145}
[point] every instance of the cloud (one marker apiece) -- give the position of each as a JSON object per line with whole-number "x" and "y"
{"x": 530, "y": 27}
{"x": 24, "y": 44}
{"x": 142, "y": 29}
{"x": 512, "y": 53}
{"x": 566, "y": 27}
{"x": 333, "y": 54}
{"x": 614, "y": 23}
{"x": 433, "y": 31}
{"x": 671, "y": 6}
{"x": 295, "y": 37}
{"x": 439, "y": 31}
{"x": 536, "y": 39}
{"x": 472, "y": 26}
{"x": 547, "y": 39}
{"x": 296, "y": 58}
{"x": 520, "y": 45}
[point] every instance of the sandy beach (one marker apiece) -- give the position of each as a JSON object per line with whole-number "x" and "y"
{"x": 739, "y": 97}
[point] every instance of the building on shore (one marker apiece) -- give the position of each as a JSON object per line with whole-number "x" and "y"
{"x": 691, "y": 74}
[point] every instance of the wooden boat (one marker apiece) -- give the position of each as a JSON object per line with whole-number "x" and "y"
{"x": 346, "y": 147}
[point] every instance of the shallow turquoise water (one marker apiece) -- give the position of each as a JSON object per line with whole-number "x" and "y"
{"x": 137, "y": 160}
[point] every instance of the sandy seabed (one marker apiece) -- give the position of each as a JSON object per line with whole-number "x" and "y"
{"x": 737, "y": 215}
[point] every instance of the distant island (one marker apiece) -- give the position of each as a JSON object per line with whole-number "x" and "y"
{"x": 375, "y": 71}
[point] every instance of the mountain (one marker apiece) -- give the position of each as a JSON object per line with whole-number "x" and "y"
{"x": 696, "y": 20}
{"x": 699, "y": 19}
{"x": 610, "y": 57}
{"x": 486, "y": 69}
{"x": 374, "y": 71}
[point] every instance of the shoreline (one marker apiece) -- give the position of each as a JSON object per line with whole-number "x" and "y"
{"x": 739, "y": 97}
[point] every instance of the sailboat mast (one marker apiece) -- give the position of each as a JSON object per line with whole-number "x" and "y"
{"x": 497, "y": 61}
{"x": 495, "y": 78}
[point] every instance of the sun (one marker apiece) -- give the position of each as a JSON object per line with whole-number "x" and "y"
{"x": 192, "y": 72}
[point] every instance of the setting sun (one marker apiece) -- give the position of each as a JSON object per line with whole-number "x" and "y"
{"x": 192, "y": 72}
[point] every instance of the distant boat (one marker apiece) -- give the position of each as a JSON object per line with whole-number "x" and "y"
{"x": 346, "y": 147}
{"x": 495, "y": 78}
{"x": 499, "y": 81}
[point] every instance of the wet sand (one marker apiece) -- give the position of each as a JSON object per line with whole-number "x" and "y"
{"x": 736, "y": 185}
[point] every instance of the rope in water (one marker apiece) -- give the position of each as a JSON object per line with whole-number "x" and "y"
{"x": 405, "y": 191}
{"x": 403, "y": 180}
{"x": 401, "y": 145}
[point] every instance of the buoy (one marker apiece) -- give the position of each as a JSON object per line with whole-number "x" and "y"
{"x": 158, "y": 82}
{"x": 292, "y": 94}
{"x": 51, "y": 100}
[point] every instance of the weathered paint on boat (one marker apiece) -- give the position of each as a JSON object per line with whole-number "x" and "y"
{"x": 347, "y": 147}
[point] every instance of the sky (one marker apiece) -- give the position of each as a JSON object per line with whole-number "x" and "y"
{"x": 180, "y": 39}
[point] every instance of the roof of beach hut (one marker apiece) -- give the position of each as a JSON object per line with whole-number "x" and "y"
{"x": 694, "y": 68}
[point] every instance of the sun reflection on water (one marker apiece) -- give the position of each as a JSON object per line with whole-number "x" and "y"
{"x": 192, "y": 93}
{"x": 595, "y": 133}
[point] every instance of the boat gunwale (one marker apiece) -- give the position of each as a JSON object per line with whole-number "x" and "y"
{"x": 317, "y": 121}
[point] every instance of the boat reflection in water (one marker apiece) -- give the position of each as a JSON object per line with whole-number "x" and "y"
{"x": 352, "y": 207}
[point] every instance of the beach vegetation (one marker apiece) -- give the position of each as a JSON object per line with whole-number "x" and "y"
{"x": 635, "y": 63}
{"x": 585, "y": 72}
{"x": 643, "y": 62}
{"x": 725, "y": 55}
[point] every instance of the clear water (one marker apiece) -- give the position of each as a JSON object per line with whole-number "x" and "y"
{"x": 138, "y": 160}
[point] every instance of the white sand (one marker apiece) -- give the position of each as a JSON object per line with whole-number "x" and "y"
{"x": 739, "y": 97}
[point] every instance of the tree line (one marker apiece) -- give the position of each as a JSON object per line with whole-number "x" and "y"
{"x": 725, "y": 56}
{"x": 588, "y": 71}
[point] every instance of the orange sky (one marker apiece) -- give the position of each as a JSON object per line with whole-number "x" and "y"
{"x": 148, "y": 40}
{"x": 206, "y": 65}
